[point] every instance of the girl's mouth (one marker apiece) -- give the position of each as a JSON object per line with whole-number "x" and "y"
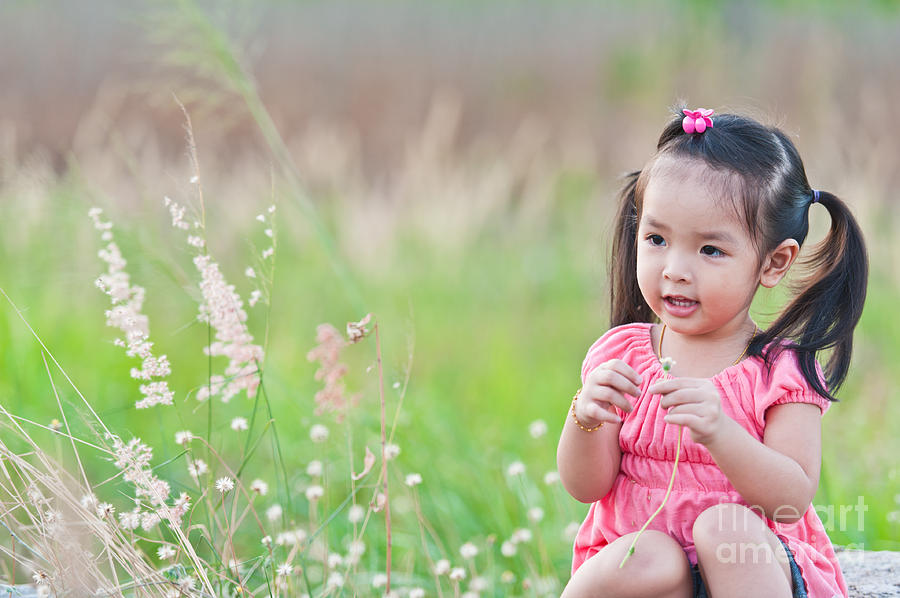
{"x": 679, "y": 306}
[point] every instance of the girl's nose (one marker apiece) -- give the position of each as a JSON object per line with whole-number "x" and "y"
{"x": 677, "y": 270}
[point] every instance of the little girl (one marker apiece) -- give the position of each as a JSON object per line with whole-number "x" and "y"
{"x": 721, "y": 208}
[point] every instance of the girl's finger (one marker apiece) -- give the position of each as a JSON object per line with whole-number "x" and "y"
{"x": 607, "y": 394}
{"x": 626, "y": 370}
{"x": 680, "y": 397}
{"x": 600, "y": 414}
{"x": 616, "y": 380}
{"x": 683, "y": 419}
{"x": 672, "y": 384}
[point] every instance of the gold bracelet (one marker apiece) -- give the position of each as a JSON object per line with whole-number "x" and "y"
{"x": 578, "y": 423}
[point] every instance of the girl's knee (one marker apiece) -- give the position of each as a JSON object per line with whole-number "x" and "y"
{"x": 658, "y": 567}
{"x": 726, "y": 520}
{"x": 730, "y": 534}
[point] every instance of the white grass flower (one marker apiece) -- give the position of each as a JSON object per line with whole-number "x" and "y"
{"x": 356, "y": 331}
{"x": 442, "y": 567}
{"x": 521, "y": 535}
{"x": 508, "y": 577}
{"x": 335, "y": 580}
{"x": 195, "y": 179}
{"x": 285, "y": 569}
{"x": 266, "y": 541}
{"x": 457, "y": 574}
{"x": 41, "y": 577}
{"x": 259, "y": 486}
{"x": 255, "y": 296}
{"x": 395, "y": 385}
{"x": 335, "y": 560}
{"x": 537, "y": 428}
{"x": 268, "y": 253}
{"x": 165, "y": 552}
{"x": 667, "y": 363}
{"x": 478, "y": 584}
{"x": 149, "y": 520}
{"x": 356, "y": 548}
{"x": 551, "y": 477}
{"x": 222, "y": 309}
{"x": 127, "y": 301}
{"x": 197, "y": 468}
{"x": 88, "y": 500}
{"x": 105, "y": 510}
{"x": 271, "y": 209}
{"x": 379, "y": 580}
{"x": 314, "y": 493}
{"x": 535, "y": 514}
{"x": 287, "y": 538}
{"x": 508, "y": 549}
{"x": 274, "y": 512}
{"x": 224, "y": 485}
{"x": 356, "y": 514}
{"x": 183, "y": 502}
{"x": 250, "y": 272}
{"x": 314, "y": 469}
{"x": 318, "y": 433}
{"x": 260, "y": 218}
{"x": 183, "y": 437}
{"x": 130, "y": 520}
{"x": 391, "y": 451}
{"x": 177, "y": 213}
{"x": 417, "y": 593}
{"x": 186, "y": 584}
{"x": 239, "y": 424}
{"x": 195, "y": 241}
{"x": 268, "y": 232}
{"x": 413, "y": 479}
{"x": 515, "y": 468}
{"x": 468, "y": 551}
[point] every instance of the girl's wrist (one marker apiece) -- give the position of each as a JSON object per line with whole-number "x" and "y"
{"x": 720, "y": 433}
{"x": 585, "y": 424}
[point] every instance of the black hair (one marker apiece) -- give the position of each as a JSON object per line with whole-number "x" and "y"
{"x": 768, "y": 185}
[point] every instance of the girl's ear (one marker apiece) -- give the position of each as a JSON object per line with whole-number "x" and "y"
{"x": 777, "y": 263}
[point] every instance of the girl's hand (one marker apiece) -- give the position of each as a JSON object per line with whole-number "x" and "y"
{"x": 695, "y": 403}
{"x": 604, "y": 387}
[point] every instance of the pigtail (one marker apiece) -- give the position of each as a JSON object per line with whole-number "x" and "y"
{"x": 825, "y": 313}
{"x": 626, "y": 301}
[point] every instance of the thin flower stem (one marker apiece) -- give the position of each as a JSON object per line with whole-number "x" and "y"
{"x": 665, "y": 498}
{"x": 276, "y": 444}
{"x": 384, "y": 476}
{"x": 422, "y": 526}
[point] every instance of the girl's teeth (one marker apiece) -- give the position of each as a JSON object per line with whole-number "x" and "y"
{"x": 682, "y": 302}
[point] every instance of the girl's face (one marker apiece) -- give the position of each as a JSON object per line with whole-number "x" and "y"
{"x": 696, "y": 266}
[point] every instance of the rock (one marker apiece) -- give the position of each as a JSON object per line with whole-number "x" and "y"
{"x": 870, "y": 574}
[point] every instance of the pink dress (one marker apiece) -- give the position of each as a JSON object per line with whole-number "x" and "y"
{"x": 648, "y": 455}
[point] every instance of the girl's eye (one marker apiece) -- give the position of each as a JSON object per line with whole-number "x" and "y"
{"x": 713, "y": 251}
{"x": 655, "y": 240}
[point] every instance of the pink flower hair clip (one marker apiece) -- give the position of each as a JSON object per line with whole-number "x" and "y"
{"x": 696, "y": 121}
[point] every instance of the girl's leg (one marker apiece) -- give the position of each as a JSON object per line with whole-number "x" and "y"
{"x": 658, "y": 569}
{"x": 739, "y": 555}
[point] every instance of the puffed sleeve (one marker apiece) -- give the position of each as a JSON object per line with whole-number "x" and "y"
{"x": 614, "y": 344}
{"x": 788, "y": 385}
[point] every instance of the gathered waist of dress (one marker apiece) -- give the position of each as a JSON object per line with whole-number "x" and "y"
{"x": 692, "y": 476}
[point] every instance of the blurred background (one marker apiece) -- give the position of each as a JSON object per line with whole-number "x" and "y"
{"x": 449, "y": 166}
